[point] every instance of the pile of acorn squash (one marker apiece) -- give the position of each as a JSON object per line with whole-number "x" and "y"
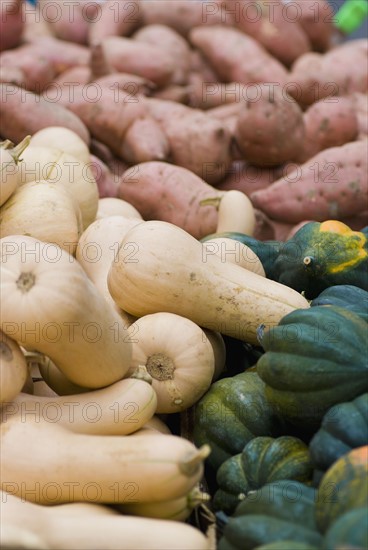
{"x": 288, "y": 429}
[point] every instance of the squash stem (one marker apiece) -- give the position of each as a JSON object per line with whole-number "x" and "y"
{"x": 190, "y": 466}
{"x": 19, "y": 149}
{"x": 160, "y": 367}
{"x": 25, "y": 281}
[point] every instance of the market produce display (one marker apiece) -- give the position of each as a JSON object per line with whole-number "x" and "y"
{"x": 183, "y": 275}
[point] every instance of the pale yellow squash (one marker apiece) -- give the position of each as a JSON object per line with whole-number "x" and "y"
{"x": 94, "y": 468}
{"x": 48, "y": 304}
{"x": 97, "y": 249}
{"x": 44, "y": 163}
{"x": 112, "y": 206}
{"x": 235, "y": 212}
{"x": 9, "y": 169}
{"x": 13, "y": 369}
{"x": 177, "y": 354}
{"x": 219, "y": 350}
{"x": 43, "y": 210}
{"x": 172, "y": 273}
{"x": 235, "y": 252}
{"x": 64, "y": 139}
{"x": 119, "y": 409}
{"x": 90, "y": 527}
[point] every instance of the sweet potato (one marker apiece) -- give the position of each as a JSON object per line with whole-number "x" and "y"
{"x": 115, "y": 18}
{"x": 12, "y": 75}
{"x": 197, "y": 141}
{"x": 161, "y": 191}
{"x": 236, "y": 57}
{"x": 11, "y": 23}
{"x": 274, "y": 25}
{"x": 180, "y": 94}
{"x": 35, "y": 24}
{"x": 172, "y": 42}
{"x": 331, "y": 185}
{"x": 316, "y": 19}
{"x": 69, "y": 21}
{"x": 24, "y": 113}
{"x": 339, "y": 72}
{"x": 106, "y": 113}
{"x": 247, "y": 178}
{"x": 270, "y": 129}
{"x": 209, "y": 95}
{"x": 38, "y": 71}
{"x": 131, "y": 56}
{"x": 328, "y": 123}
{"x": 106, "y": 181}
{"x": 63, "y": 55}
{"x": 360, "y": 103}
{"x": 145, "y": 141}
{"x": 183, "y": 15}
{"x": 116, "y": 166}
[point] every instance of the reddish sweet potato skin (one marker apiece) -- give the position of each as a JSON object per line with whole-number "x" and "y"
{"x": 314, "y": 76}
{"x": 115, "y": 18}
{"x": 165, "y": 192}
{"x": 69, "y": 21}
{"x": 11, "y": 23}
{"x": 278, "y": 31}
{"x": 247, "y": 178}
{"x": 236, "y": 57}
{"x": 63, "y": 55}
{"x": 360, "y": 103}
{"x": 107, "y": 183}
{"x": 38, "y": 71}
{"x": 331, "y": 185}
{"x": 24, "y": 113}
{"x": 270, "y": 130}
{"x": 316, "y": 19}
{"x": 145, "y": 141}
{"x": 328, "y": 123}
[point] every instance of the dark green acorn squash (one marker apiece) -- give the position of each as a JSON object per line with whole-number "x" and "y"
{"x": 321, "y": 255}
{"x": 344, "y": 487}
{"x": 231, "y": 413}
{"x": 267, "y": 251}
{"x": 315, "y": 358}
{"x": 279, "y": 511}
{"x": 350, "y": 530}
{"x": 287, "y": 545}
{"x": 350, "y": 297}
{"x": 344, "y": 427}
{"x": 263, "y": 460}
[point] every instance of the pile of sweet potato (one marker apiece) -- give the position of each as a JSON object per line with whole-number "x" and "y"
{"x": 179, "y": 101}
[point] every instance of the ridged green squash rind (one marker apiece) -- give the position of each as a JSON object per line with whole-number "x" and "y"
{"x": 231, "y": 413}
{"x": 350, "y": 297}
{"x": 287, "y": 545}
{"x": 344, "y": 487}
{"x": 283, "y": 510}
{"x": 263, "y": 460}
{"x": 344, "y": 427}
{"x": 315, "y": 358}
{"x": 321, "y": 255}
{"x": 350, "y": 530}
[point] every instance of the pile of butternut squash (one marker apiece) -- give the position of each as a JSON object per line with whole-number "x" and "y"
{"x": 109, "y": 324}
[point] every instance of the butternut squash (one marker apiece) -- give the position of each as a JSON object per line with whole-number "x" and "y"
{"x": 58, "y": 383}
{"x": 94, "y": 468}
{"x": 91, "y": 527}
{"x": 43, "y": 210}
{"x": 177, "y": 354}
{"x": 112, "y": 206}
{"x": 9, "y": 170}
{"x": 58, "y": 137}
{"x": 97, "y": 249}
{"x": 178, "y": 509}
{"x": 219, "y": 350}
{"x": 235, "y": 212}
{"x": 172, "y": 272}
{"x": 13, "y": 369}
{"x": 235, "y": 252}
{"x": 119, "y": 409}
{"x": 45, "y": 163}
{"x": 48, "y": 304}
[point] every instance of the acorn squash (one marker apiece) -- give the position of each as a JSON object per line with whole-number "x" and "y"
{"x": 344, "y": 427}
{"x": 314, "y": 359}
{"x": 324, "y": 254}
{"x": 350, "y": 530}
{"x": 343, "y": 488}
{"x": 350, "y": 297}
{"x": 287, "y": 545}
{"x": 263, "y": 460}
{"x": 230, "y": 414}
{"x": 279, "y": 511}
